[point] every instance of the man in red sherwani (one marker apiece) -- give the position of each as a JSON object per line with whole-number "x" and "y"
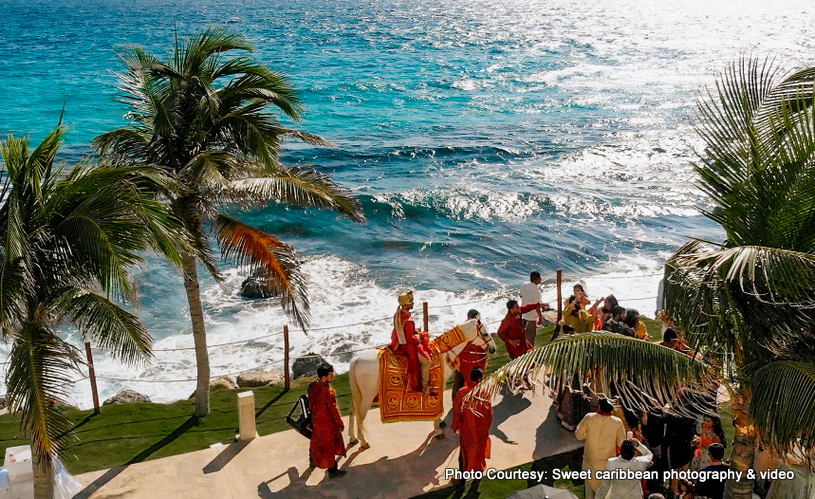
{"x": 326, "y": 440}
{"x": 472, "y": 421}
{"x": 406, "y": 341}
{"x": 474, "y": 355}
{"x": 512, "y": 328}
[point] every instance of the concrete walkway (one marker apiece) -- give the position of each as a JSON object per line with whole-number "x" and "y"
{"x": 404, "y": 460}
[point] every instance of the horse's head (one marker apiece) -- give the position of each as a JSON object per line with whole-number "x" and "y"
{"x": 476, "y": 332}
{"x": 484, "y": 338}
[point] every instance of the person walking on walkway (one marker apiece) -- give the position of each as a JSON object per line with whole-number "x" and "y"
{"x": 604, "y": 434}
{"x": 471, "y": 421}
{"x": 531, "y": 293}
{"x": 626, "y": 488}
{"x": 326, "y": 440}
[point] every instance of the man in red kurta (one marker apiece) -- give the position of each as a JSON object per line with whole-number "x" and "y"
{"x": 406, "y": 341}
{"x": 512, "y": 328}
{"x": 472, "y": 421}
{"x": 326, "y": 440}
{"x": 474, "y": 355}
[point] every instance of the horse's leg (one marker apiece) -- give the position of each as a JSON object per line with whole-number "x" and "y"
{"x": 352, "y": 415}
{"x": 362, "y": 412}
{"x": 439, "y": 433}
{"x": 355, "y": 399}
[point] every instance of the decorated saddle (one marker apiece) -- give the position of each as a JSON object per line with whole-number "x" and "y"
{"x": 396, "y": 400}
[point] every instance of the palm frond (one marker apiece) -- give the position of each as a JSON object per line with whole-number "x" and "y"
{"x": 107, "y": 323}
{"x": 300, "y": 186}
{"x": 758, "y": 161}
{"x": 38, "y": 382}
{"x": 783, "y": 404}
{"x": 646, "y": 375}
{"x": 745, "y": 299}
{"x": 276, "y": 259}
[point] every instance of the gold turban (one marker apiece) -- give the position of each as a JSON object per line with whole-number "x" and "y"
{"x": 406, "y": 298}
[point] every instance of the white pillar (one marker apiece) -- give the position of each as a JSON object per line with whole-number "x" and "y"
{"x": 246, "y": 416}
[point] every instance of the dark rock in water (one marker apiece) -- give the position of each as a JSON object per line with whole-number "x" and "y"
{"x": 125, "y": 397}
{"x": 254, "y": 286}
{"x": 306, "y": 366}
{"x": 259, "y": 378}
{"x": 341, "y": 353}
{"x": 258, "y": 344}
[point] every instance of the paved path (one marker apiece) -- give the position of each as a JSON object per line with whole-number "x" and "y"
{"x": 403, "y": 461}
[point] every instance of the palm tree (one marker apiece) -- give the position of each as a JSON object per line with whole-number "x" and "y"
{"x": 747, "y": 304}
{"x": 205, "y": 121}
{"x": 68, "y": 239}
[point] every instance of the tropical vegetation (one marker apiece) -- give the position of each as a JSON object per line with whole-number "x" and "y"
{"x": 747, "y": 304}
{"x": 69, "y": 238}
{"x": 206, "y": 121}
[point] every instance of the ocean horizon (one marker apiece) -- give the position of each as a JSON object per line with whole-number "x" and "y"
{"x": 485, "y": 139}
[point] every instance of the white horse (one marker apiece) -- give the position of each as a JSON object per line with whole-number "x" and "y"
{"x": 364, "y": 378}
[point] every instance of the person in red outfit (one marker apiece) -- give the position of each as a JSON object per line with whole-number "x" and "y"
{"x": 475, "y": 354}
{"x": 405, "y": 340}
{"x": 512, "y": 328}
{"x": 472, "y": 421}
{"x": 326, "y": 439}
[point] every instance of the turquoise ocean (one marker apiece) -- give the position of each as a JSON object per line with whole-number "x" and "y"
{"x": 484, "y": 138}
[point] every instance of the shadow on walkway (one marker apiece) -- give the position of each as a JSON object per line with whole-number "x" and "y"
{"x": 114, "y": 472}
{"x": 225, "y": 456}
{"x": 403, "y": 472}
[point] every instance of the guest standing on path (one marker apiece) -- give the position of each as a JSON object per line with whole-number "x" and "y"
{"x": 326, "y": 440}
{"x": 474, "y": 355}
{"x": 604, "y": 434}
{"x": 625, "y": 489}
{"x": 512, "y": 328}
{"x": 471, "y": 421}
{"x": 713, "y": 489}
{"x": 531, "y": 293}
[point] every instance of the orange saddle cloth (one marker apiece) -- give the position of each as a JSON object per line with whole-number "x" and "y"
{"x": 396, "y": 401}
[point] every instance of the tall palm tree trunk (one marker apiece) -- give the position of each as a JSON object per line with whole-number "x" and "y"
{"x": 199, "y": 335}
{"x": 43, "y": 477}
{"x": 744, "y": 447}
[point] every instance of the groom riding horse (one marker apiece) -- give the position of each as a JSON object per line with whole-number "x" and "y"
{"x": 416, "y": 346}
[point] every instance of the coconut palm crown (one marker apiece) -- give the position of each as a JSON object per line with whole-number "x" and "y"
{"x": 208, "y": 121}
{"x": 747, "y": 305}
{"x": 68, "y": 241}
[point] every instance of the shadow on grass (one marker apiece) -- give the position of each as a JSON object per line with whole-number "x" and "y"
{"x": 270, "y": 403}
{"x": 141, "y": 456}
{"x": 76, "y": 426}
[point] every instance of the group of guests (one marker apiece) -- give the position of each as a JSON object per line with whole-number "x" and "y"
{"x": 617, "y": 439}
{"x": 605, "y": 314}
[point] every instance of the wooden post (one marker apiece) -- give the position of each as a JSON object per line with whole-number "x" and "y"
{"x": 287, "y": 377}
{"x": 425, "y": 317}
{"x": 92, "y": 376}
{"x": 559, "y": 296}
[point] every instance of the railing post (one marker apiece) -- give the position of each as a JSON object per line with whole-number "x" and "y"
{"x": 425, "y": 317}
{"x": 92, "y": 376}
{"x": 287, "y": 377}
{"x": 559, "y": 295}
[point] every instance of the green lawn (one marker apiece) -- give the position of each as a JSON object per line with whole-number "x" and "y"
{"x": 131, "y": 433}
